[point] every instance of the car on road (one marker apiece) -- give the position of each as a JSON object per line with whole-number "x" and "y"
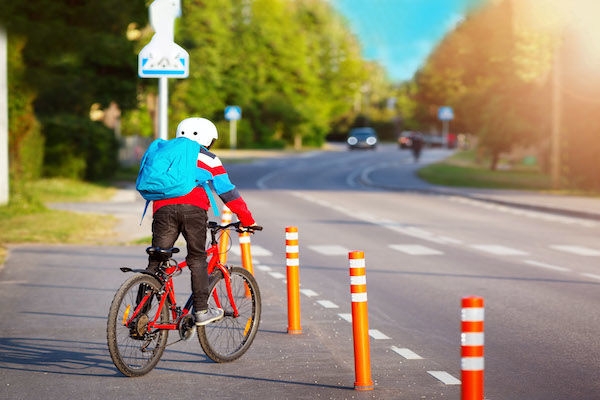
{"x": 362, "y": 138}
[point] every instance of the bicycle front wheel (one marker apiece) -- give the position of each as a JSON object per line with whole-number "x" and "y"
{"x": 134, "y": 349}
{"x": 229, "y": 338}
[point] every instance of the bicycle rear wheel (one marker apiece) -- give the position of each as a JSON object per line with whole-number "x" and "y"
{"x": 229, "y": 338}
{"x": 133, "y": 349}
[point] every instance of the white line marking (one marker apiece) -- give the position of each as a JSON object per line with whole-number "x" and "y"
{"x": 406, "y": 353}
{"x": 264, "y": 268}
{"x": 579, "y": 250}
{"x": 444, "y": 377}
{"x": 415, "y": 249}
{"x": 544, "y": 265}
{"x": 277, "y": 275}
{"x": 499, "y": 250}
{"x": 346, "y": 317}
{"x": 525, "y": 213}
{"x": 332, "y": 250}
{"x": 375, "y": 334}
{"x": 308, "y": 292}
{"x": 391, "y": 225}
{"x": 593, "y": 276}
{"x": 327, "y": 304}
{"x": 256, "y": 250}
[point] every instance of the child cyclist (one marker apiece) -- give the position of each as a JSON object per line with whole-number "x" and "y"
{"x": 187, "y": 215}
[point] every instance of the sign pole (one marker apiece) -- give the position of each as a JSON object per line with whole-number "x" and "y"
{"x": 445, "y": 132}
{"x": 163, "y": 108}
{"x": 233, "y": 134}
{"x": 232, "y": 114}
{"x": 4, "y": 175}
{"x": 445, "y": 114}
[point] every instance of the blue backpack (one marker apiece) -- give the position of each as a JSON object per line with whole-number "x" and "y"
{"x": 169, "y": 169}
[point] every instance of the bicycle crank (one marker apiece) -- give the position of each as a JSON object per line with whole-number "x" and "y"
{"x": 187, "y": 327}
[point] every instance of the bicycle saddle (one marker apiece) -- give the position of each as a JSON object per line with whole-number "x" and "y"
{"x": 161, "y": 254}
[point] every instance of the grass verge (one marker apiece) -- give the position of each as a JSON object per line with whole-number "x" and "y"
{"x": 26, "y": 219}
{"x": 463, "y": 170}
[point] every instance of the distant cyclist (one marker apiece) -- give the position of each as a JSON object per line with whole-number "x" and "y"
{"x": 416, "y": 145}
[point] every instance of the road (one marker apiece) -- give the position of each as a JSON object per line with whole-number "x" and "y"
{"x": 425, "y": 249}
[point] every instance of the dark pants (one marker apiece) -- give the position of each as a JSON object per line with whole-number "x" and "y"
{"x": 168, "y": 222}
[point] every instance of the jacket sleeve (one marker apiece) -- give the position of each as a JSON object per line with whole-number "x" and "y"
{"x": 224, "y": 188}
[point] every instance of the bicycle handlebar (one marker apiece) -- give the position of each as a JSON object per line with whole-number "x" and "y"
{"x": 215, "y": 227}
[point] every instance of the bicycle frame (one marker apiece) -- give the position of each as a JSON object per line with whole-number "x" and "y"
{"x": 169, "y": 293}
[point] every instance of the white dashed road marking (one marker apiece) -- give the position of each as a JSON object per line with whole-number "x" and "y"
{"x": 255, "y": 249}
{"x": 277, "y": 275}
{"x": 346, "y": 317}
{"x": 499, "y": 250}
{"x": 593, "y": 276}
{"x": 327, "y": 304}
{"x": 330, "y": 250}
{"x": 308, "y": 292}
{"x": 375, "y": 334}
{"x": 415, "y": 249}
{"x": 547, "y": 266}
{"x": 444, "y": 377}
{"x": 406, "y": 353}
{"x": 579, "y": 250}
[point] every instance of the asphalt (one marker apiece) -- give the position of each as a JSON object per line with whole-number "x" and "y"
{"x": 127, "y": 205}
{"x": 275, "y": 369}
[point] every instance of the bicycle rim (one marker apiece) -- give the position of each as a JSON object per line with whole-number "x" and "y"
{"x": 229, "y": 338}
{"x": 134, "y": 351}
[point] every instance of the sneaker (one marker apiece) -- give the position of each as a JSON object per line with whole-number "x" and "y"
{"x": 207, "y": 316}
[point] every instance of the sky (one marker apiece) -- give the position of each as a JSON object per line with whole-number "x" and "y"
{"x": 400, "y": 34}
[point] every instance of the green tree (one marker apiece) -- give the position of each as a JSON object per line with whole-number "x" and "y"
{"x": 474, "y": 71}
{"x": 76, "y": 54}
{"x": 26, "y": 144}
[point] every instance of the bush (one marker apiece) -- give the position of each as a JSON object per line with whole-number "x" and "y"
{"x": 79, "y": 148}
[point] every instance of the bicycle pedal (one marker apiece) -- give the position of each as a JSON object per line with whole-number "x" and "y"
{"x": 187, "y": 327}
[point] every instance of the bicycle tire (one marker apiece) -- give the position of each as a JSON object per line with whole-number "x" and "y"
{"x": 133, "y": 351}
{"x": 229, "y": 338}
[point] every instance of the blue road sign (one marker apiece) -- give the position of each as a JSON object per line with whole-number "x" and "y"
{"x": 445, "y": 113}
{"x": 233, "y": 113}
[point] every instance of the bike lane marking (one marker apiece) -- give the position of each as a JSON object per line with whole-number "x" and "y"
{"x": 406, "y": 353}
{"x": 578, "y": 250}
{"x": 444, "y": 377}
{"x": 376, "y": 334}
{"x": 415, "y": 249}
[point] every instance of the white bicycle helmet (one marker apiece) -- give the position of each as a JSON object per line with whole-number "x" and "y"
{"x": 199, "y": 130}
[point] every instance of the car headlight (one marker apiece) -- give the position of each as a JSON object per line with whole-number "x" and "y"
{"x": 352, "y": 141}
{"x": 371, "y": 141}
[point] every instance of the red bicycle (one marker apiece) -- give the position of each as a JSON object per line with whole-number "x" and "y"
{"x": 145, "y": 309}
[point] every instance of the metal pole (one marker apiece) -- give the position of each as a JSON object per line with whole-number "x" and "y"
{"x": 233, "y": 134}
{"x": 556, "y": 121}
{"x": 445, "y": 133}
{"x": 163, "y": 108}
{"x": 3, "y": 117}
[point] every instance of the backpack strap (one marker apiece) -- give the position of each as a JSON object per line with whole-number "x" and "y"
{"x": 211, "y": 198}
{"x": 144, "y": 213}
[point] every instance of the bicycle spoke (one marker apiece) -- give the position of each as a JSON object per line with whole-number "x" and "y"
{"x": 134, "y": 349}
{"x": 230, "y": 337}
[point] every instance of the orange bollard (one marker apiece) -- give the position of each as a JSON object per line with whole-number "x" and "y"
{"x": 224, "y": 239}
{"x": 471, "y": 338}
{"x": 360, "y": 321}
{"x": 244, "y": 238}
{"x": 292, "y": 263}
